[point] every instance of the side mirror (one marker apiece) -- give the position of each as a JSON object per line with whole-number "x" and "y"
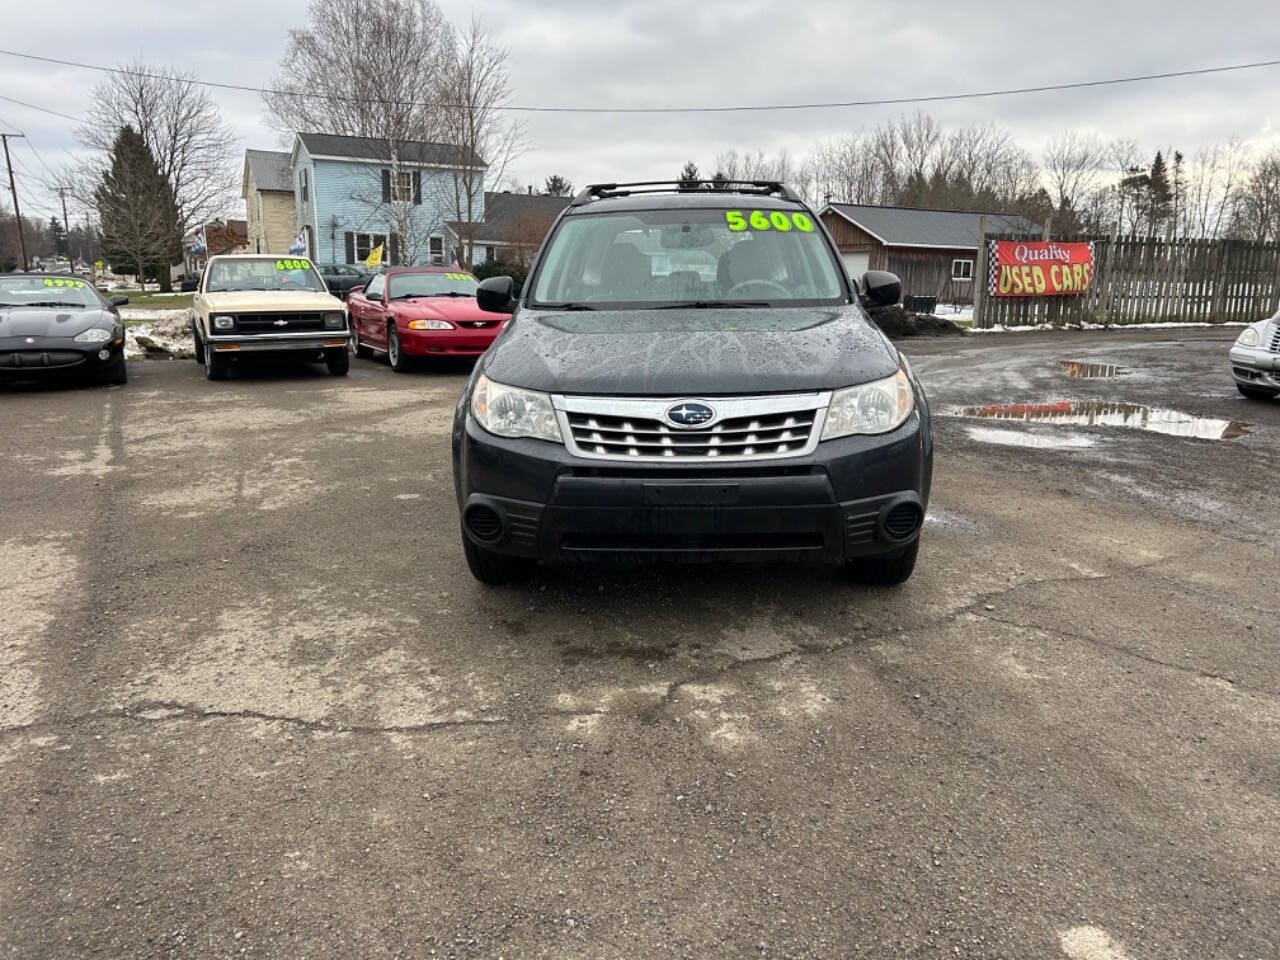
{"x": 119, "y": 301}
{"x": 880, "y": 288}
{"x": 495, "y": 295}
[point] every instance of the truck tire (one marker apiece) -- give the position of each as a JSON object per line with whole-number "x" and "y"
{"x": 884, "y": 571}
{"x": 338, "y": 360}
{"x": 199, "y": 347}
{"x": 496, "y": 569}
{"x": 215, "y": 367}
{"x": 1255, "y": 393}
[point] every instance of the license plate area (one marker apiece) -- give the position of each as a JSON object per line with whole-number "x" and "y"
{"x": 704, "y": 494}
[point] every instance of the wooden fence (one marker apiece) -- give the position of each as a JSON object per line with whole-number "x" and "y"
{"x": 1147, "y": 280}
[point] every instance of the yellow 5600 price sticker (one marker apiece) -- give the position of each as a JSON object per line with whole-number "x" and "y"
{"x": 459, "y": 276}
{"x": 779, "y": 220}
{"x": 293, "y": 264}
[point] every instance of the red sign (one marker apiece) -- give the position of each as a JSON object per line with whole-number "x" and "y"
{"x": 1039, "y": 268}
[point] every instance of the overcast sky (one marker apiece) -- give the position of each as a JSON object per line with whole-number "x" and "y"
{"x": 666, "y": 53}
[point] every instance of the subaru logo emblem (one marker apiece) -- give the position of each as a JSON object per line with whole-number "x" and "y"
{"x": 689, "y": 414}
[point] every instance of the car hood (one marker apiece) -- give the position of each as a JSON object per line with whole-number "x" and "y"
{"x": 272, "y": 301}
{"x": 696, "y": 352}
{"x": 457, "y": 309}
{"x": 52, "y": 321}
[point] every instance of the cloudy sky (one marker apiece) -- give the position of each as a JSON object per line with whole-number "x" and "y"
{"x": 668, "y": 53}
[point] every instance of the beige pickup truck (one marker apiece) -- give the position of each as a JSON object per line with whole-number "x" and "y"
{"x": 262, "y": 304}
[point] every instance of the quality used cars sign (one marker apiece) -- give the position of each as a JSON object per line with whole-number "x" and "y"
{"x": 1039, "y": 269}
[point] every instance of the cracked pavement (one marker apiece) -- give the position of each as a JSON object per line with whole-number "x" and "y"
{"x": 252, "y": 704}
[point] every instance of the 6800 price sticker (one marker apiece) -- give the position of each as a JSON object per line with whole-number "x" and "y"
{"x": 779, "y": 220}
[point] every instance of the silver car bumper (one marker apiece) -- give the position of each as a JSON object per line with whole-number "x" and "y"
{"x": 308, "y": 340}
{"x": 1255, "y": 365}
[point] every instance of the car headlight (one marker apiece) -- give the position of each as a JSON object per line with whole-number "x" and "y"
{"x": 512, "y": 412}
{"x": 1249, "y": 337}
{"x": 223, "y": 322}
{"x": 333, "y": 320}
{"x": 93, "y": 335}
{"x": 875, "y": 407}
{"x": 430, "y": 324}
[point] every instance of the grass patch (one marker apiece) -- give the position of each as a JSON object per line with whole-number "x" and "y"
{"x": 158, "y": 301}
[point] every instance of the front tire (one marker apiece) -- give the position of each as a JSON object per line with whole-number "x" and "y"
{"x": 1255, "y": 393}
{"x": 116, "y": 372}
{"x": 199, "y": 347}
{"x": 884, "y": 571}
{"x": 338, "y": 360}
{"x": 496, "y": 569}
{"x": 395, "y": 351}
{"x": 215, "y": 367}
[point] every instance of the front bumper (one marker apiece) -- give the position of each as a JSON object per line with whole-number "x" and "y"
{"x": 458, "y": 342}
{"x": 273, "y": 342}
{"x": 19, "y": 359}
{"x": 1255, "y": 366}
{"x": 847, "y": 499}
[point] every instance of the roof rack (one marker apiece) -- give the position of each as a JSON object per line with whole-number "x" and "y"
{"x": 763, "y": 188}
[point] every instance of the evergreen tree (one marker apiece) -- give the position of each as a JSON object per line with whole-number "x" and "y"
{"x": 136, "y": 209}
{"x": 690, "y": 176}
{"x": 58, "y": 236}
{"x": 1159, "y": 193}
{"x": 719, "y": 180}
{"x": 557, "y": 186}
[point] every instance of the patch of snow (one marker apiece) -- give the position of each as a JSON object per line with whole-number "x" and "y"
{"x": 1171, "y": 325}
{"x": 1018, "y": 438}
{"x": 165, "y": 333}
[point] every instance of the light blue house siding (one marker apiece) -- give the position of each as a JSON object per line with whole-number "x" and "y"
{"x": 343, "y": 197}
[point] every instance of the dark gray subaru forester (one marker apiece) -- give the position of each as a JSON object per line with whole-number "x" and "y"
{"x": 690, "y": 375}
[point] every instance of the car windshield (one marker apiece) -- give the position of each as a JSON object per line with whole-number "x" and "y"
{"x": 262, "y": 273}
{"x": 401, "y": 286}
{"x": 741, "y": 257}
{"x": 19, "y": 290}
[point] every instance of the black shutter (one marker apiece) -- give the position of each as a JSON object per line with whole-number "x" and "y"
{"x": 395, "y": 249}
{"x": 386, "y": 186}
{"x": 417, "y": 187}
{"x": 350, "y": 240}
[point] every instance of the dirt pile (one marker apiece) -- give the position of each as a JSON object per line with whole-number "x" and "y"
{"x": 897, "y": 323}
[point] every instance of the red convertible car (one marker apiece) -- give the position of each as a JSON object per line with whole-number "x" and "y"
{"x": 419, "y": 312}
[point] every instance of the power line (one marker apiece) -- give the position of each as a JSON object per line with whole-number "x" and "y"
{"x": 888, "y": 101}
{"x": 52, "y": 113}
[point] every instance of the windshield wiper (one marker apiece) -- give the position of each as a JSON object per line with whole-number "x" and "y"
{"x": 46, "y": 303}
{"x": 704, "y": 304}
{"x": 567, "y": 305}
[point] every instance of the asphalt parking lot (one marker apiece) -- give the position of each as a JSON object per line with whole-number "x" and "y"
{"x": 252, "y": 703}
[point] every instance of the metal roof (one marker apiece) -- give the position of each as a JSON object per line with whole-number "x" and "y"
{"x": 502, "y": 211}
{"x": 372, "y": 148}
{"x": 910, "y": 227}
{"x": 270, "y": 169}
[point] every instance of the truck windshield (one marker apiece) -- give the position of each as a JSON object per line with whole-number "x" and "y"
{"x": 645, "y": 259}
{"x": 262, "y": 273}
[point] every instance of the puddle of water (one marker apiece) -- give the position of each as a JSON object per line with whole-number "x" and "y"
{"x": 1101, "y": 413}
{"x": 1083, "y": 370}
{"x": 1017, "y": 438}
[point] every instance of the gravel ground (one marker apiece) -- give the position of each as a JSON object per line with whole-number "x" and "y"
{"x": 252, "y": 704}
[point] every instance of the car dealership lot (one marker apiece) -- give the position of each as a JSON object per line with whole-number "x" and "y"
{"x": 252, "y": 702}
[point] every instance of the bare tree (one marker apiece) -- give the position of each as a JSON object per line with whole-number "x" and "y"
{"x": 365, "y": 70}
{"x": 1072, "y": 163}
{"x": 183, "y": 128}
{"x": 1257, "y": 212}
{"x": 476, "y": 86}
{"x": 1217, "y": 173}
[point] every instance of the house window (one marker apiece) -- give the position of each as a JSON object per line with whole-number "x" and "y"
{"x": 437, "y": 250}
{"x": 303, "y": 186}
{"x": 961, "y": 269}
{"x": 367, "y": 242}
{"x": 402, "y": 187}
{"x": 489, "y": 255}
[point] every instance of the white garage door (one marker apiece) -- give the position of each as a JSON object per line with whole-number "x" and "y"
{"x": 856, "y": 263}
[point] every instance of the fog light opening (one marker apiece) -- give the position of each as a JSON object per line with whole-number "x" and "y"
{"x": 902, "y": 521}
{"x": 104, "y": 354}
{"x": 483, "y": 522}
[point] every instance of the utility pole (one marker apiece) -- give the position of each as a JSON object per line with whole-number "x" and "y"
{"x": 13, "y": 190}
{"x": 66, "y": 228}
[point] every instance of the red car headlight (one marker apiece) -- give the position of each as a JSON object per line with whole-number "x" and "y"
{"x": 431, "y": 323}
